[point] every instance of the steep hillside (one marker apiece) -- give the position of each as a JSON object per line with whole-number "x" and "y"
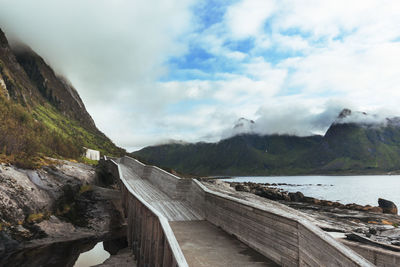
{"x": 55, "y": 89}
{"x": 239, "y": 155}
{"x": 364, "y": 145}
{"x": 360, "y": 146}
{"x": 41, "y": 114}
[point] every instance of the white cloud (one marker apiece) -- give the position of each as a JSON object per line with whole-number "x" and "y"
{"x": 112, "y": 51}
{"x": 246, "y": 18}
{"x": 293, "y": 43}
{"x": 315, "y": 58}
{"x": 101, "y": 46}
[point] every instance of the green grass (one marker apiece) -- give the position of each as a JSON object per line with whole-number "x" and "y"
{"x": 27, "y": 135}
{"x": 71, "y": 129}
{"x": 88, "y": 161}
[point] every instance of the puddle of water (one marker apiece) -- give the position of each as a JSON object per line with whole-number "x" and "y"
{"x": 96, "y": 255}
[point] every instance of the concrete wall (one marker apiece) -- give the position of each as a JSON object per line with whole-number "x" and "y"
{"x": 280, "y": 236}
{"x": 149, "y": 234}
{"x": 135, "y": 165}
{"x": 378, "y": 256}
{"x": 173, "y": 186}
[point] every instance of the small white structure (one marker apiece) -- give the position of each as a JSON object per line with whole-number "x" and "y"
{"x": 92, "y": 154}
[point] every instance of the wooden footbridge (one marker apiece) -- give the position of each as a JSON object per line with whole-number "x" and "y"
{"x": 180, "y": 222}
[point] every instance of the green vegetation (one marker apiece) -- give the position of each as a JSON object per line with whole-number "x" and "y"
{"x": 37, "y": 217}
{"x": 41, "y": 114}
{"x": 71, "y": 129}
{"x": 23, "y": 138}
{"x": 88, "y": 161}
{"x": 28, "y": 135}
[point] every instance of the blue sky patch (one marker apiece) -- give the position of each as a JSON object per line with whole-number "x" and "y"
{"x": 244, "y": 46}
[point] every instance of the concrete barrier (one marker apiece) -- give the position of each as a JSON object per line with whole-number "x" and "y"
{"x": 376, "y": 255}
{"x": 283, "y": 237}
{"x": 173, "y": 186}
{"x": 149, "y": 234}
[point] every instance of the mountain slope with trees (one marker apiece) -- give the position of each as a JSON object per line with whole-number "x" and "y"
{"x": 348, "y": 147}
{"x": 41, "y": 114}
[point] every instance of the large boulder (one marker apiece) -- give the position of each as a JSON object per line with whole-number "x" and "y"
{"x": 270, "y": 193}
{"x": 296, "y": 197}
{"x": 387, "y": 206}
{"x": 243, "y": 188}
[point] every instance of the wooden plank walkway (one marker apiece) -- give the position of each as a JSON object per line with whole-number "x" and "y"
{"x": 204, "y": 244}
{"x": 180, "y": 221}
{"x": 172, "y": 209}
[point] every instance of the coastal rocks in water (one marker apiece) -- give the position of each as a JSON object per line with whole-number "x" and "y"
{"x": 240, "y": 187}
{"x": 311, "y": 200}
{"x": 269, "y": 191}
{"x": 296, "y": 197}
{"x": 387, "y": 206}
{"x": 330, "y": 216}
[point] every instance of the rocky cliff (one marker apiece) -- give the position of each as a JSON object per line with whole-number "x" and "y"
{"x": 41, "y": 113}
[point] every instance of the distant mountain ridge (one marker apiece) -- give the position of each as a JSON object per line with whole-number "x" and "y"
{"x": 41, "y": 113}
{"x": 355, "y": 143}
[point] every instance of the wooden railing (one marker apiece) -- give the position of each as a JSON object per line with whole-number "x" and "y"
{"x": 149, "y": 234}
{"x": 287, "y": 239}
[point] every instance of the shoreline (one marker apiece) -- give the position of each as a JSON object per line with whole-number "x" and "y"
{"x": 224, "y": 177}
{"x": 376, "y": 227}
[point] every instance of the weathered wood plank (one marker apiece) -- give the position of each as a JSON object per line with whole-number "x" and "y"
{"x": 284, "y": 237}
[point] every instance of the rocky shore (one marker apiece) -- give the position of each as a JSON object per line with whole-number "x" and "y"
{"x": 270, "y": 191}
{"x": 64, "y": 207}
{"x": 378, "y": 226}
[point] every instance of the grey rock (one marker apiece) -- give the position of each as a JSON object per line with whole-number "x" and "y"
{"x": 372, "y": 231}
{"x": 296, "y": 197}
{"x": 387, "y": 206}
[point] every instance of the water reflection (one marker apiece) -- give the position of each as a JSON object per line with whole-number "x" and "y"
{"x": 96, "y": 255}
{"x": 49, "y": 255}
{"x": 83, "y": 252}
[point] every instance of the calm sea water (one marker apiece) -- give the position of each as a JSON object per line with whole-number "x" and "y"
{"x": 344, "y": 189}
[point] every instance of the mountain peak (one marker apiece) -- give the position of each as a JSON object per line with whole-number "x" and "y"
{"x": 243, "y": 123}
{"x": 3, "y": 39}
{"x": 344, "y": 113}
{"x": 243, "y": 126}
{"x": 357, "y": 117}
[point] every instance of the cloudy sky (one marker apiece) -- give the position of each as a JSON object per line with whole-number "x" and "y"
{"x": 154, "y": 70}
